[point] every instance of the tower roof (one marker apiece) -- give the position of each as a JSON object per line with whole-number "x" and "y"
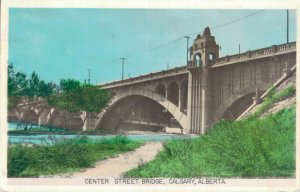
{"x": 206, "y": 32}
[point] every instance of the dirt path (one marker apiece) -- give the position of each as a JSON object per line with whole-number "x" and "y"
{"x": 116, "y": 166}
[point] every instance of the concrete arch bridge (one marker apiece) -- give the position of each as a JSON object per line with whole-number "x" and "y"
{"x": 202, "y": 92}
{"x": 192, "y": 97}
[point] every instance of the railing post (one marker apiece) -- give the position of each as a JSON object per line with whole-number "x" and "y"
{"x": 257, "y": 99}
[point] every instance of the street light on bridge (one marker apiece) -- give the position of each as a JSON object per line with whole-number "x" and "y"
{"x": 187, "y": 49}
{"x": 123, "y": 59}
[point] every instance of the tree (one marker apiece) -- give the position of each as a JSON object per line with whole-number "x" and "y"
{"x": 22, "y": 83}
{"x": 45, "y": 89}
{"x": 33, "y": 85}
{"x": 68, "y": 85}
{"x": 12, "y": 86}
{"x": 17, "y": 82}
{"x": 89, "y": 98}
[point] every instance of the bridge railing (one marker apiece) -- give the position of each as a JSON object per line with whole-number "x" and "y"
{"x": 144, "y": 77}
{"x": 257, "y": 53}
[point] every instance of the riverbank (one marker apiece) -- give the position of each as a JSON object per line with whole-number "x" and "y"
{"x": 64, "y": 156}
{"x": 42, "y": 139}
{"x": 247, "y": 148}
{"x": 37, "y": 132}
{"x": 17, "y": 128}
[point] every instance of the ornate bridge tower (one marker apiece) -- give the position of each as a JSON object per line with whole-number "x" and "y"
{"x": 202, "y": 55}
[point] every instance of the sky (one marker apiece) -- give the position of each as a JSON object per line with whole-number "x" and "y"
{"x": 66, "y": 43}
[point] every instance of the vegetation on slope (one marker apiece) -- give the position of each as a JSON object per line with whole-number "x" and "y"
{"x": 63, "y": 156}
{"x": 250, "y": 147}
{"x": 274, "y": 97}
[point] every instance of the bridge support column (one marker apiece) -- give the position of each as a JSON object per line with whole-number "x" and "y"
{"x": 90, "y": 122}
{"x": 198, "y": 101}
{"x": 180, "y": 98}
{"x": 205, "y": 101}
{"x": 194, "y": 102}
{"x": 189, "y": 105}
{"x": 202, "y": 54}
{"x": 40, "y": 120}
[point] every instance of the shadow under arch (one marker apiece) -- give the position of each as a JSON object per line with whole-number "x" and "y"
{"x": 122, "y": 104}
{"x": 173, "y": 92}
{"x": 238, "y": 107}
{"x": 29, "y": 116}
{"x": 160, "y": 89}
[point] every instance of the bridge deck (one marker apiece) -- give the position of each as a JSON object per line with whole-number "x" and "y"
{"x": 223, "y": 61}
{"x": 148, "y": 77}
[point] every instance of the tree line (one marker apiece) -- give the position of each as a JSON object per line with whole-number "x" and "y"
{"x": 19, "y": 84}
{"x": 70, "y": 94}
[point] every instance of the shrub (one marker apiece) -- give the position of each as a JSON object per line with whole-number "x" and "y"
{"x": 63, "y": 155}
{"x": 89, "y": 98}
{"x": 19, "y": 158}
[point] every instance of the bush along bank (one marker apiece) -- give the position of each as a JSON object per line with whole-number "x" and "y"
{"x": 63, "y": 156}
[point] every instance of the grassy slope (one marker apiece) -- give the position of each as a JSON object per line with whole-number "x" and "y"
{"x": 251, "y": 147}
{"x": 64, "y": 156}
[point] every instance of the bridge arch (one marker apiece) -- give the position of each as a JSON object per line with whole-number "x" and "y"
{"x": 180, "y": 117}
{"x": 29, "y": 115}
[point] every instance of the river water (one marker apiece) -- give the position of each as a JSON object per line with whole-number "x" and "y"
{"x": 46, "y": 138}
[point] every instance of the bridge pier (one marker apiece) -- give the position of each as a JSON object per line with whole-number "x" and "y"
{"x": 202, "y": 54}
{"x": 180, "y": 97}
{"x": 90, "y": 122}
{"x": 194, "y": 103}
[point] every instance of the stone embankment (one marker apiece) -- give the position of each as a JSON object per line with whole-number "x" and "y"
{"x": 39, "y": 112}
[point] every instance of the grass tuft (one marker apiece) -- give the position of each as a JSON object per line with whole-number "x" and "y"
{"x": 63, "y": 155}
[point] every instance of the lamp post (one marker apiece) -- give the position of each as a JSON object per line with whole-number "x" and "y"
{"x": 287, "y": 26}
{"x": 187, "y": 49}
{"x": 123, "y": 59}
{"x": 89, "y": 76}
